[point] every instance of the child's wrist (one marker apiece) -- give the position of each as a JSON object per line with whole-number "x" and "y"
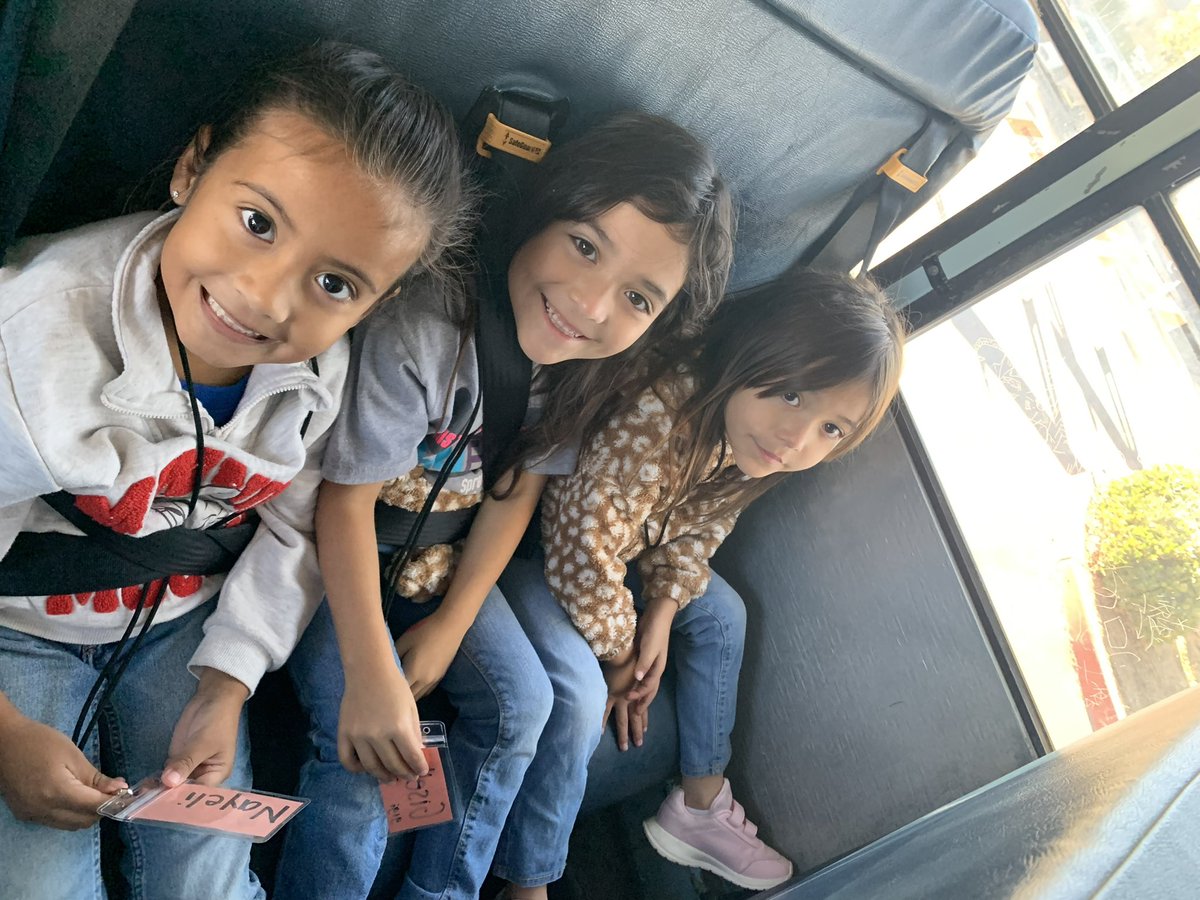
{"x": 454, "y": 621}
{"x": 659, "y": 608}
{"x": 218, "y": 685}
{"x": 624, "y": 658}
{"x": 363, "y": 669}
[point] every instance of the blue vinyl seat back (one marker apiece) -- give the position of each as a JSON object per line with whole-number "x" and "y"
{"x": 800, "y": 101}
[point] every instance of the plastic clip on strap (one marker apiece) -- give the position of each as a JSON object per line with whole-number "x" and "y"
{"x": 496, "y": 135}
{"x": 868, "y": 216}
{"x": 900, "y": 173}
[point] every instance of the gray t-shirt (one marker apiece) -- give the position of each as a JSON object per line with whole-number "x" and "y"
{"x": 560, "y": 460}
{"x": 409, "y": 394}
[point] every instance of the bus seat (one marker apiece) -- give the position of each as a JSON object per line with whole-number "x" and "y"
{"x": 801, "y": 102}
{"x": 1116, "y": 815}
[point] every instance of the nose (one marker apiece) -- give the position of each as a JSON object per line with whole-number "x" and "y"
{"x": 593, "y": 297}
{"x": 793, "y": 431}
{"x": 266, "y": 288}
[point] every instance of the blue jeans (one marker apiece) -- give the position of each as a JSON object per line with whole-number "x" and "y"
{"x": 533, "y": 848}
{"x": 503, "y": 697}
{"x": 49, "y": 681}
{"x": 707, "y": 641}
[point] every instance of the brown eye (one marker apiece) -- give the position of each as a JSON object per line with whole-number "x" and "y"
{"x": 335, "y": 286}
{"x": 640, "y": 303}
{"x": 258, "y": 224}
{"x": 585, "y": 247}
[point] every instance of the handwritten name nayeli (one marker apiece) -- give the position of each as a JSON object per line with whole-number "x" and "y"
{"x": 256, "y": 808}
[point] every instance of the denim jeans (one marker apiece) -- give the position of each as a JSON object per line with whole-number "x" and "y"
{"x": 707, "y": 640}
{"x": 533, "y": 848}
{"x": 49, "y": 681}
{"x": 503, "y": 698}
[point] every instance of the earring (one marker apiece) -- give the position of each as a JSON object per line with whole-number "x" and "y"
{"x": 174, "y": 195}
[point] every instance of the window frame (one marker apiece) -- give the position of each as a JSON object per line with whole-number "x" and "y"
{"x": 1146, "y": 184}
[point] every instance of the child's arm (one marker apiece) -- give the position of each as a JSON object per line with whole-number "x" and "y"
{"x": 673, "y": 574}
{"x": 428, "y": 651}
{"x": 378, "y": 725}
{"x": 44, "y": 778}
{"x": 677, "y": 569}
{"x": 588, "y": 523}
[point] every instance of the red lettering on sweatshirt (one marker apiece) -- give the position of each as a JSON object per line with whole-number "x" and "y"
{"x": 129, "y": 597}
{"x": 128, "y": 515}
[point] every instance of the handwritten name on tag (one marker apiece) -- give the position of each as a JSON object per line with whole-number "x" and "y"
{"x": 244, "y": 813}
{"x": 419, "y": 802}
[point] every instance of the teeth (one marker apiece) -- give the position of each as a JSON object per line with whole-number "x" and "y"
{"x": 228, "y": 320}
{"x": 558, "y": 322}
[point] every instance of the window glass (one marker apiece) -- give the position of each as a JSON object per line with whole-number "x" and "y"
{"x": 1048, "y": 111}
{"x": 1060, "y": 416}
{"x": 1187, "y": 202}
{"x": 1134, "y": 43}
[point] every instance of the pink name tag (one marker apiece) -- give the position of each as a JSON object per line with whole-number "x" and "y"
{"x": 421, "y": 801}
{"x": 247, "y": 814}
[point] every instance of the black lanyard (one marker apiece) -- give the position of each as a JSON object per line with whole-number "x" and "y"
{"x": 106, "y": 682}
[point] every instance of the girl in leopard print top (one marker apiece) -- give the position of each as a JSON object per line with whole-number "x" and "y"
{"x": 793, "y": 373}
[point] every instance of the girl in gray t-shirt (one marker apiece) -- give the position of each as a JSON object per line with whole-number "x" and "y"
{"x": 622, "y": 241}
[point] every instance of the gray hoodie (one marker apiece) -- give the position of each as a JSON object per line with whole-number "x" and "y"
{"x": 90, "y": 403}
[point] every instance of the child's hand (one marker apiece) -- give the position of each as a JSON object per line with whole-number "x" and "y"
{"x": 426, "y": 651}
{"x": 629, "y": 722}
{"x": 653, "y": 639}
{"x": 379, "y": 729}
{"x": 619, "y": 674}
{"x": 204, "y": 744}
{"x": 45, "y": 779}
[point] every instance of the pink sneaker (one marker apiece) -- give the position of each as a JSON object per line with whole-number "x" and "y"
{"x": 718, "y": 839}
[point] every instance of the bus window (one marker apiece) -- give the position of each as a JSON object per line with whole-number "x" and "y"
{"x": 1187, "y": 202}
{"x": 1050, "y": 410}
{"x": 1134, "y": 43}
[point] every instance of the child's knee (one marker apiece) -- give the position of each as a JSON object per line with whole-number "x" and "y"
{"x": 721, "y": 611}
{"x": 525, "y": 710}
{"x": 579, "y": 708}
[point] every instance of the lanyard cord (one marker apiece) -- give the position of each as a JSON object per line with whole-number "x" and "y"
{"x": 106, "y": 682}
{"x": 198, "y": 474}
{"x": 400, "y": 558}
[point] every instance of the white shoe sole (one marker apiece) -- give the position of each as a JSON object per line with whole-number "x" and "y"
{"x": 670, "y": 847}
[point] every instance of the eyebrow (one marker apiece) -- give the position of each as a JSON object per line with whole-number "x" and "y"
{"x": 287, "y": 220}
{"x": 645, "y": 283}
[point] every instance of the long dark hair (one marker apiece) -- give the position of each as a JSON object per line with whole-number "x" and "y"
{"x": 396, "y": 132}
{"x": 805, "y": 331}
{"x": 672, "y": 179}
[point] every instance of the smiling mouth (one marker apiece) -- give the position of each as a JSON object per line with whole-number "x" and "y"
{"x": 229, "y": 321}
{"x": 767, "y": 453}
{"x": 560, "y": 324}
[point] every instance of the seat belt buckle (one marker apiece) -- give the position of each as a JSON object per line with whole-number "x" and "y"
{"x": 907, "y": 178}
{"x": 495, "y": 135}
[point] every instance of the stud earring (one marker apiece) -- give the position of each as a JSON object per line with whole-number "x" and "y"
{"x": 174, "y": 195}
